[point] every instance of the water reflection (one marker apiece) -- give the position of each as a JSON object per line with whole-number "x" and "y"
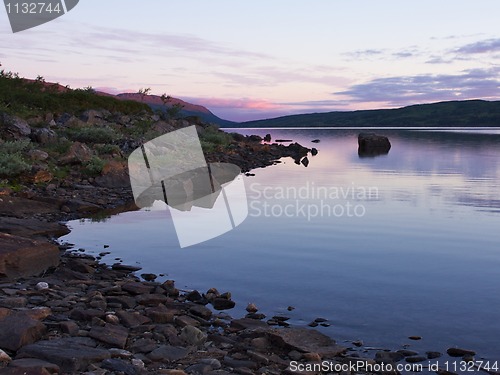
{"x": 422, "y": 260}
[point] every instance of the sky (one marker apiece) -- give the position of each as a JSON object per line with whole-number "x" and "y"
{"x": 247, "y": 60}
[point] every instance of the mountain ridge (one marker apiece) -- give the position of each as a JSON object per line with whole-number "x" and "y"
{"x": 458, "y": 113}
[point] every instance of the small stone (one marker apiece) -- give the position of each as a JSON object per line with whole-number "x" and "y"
{"x": 201, "y": 311}
{"x": 193, "y": 336}
{"x": 255, "y": 316}
{"x": 136, "y": 362}
{"x": 222, "y": 303}
{"x": 143, "y": 346}
{"x": 125, "y": 267}
{"x": 358, "y": 343}
{"x": 118, "y": 365}
{"x": 252, "y": 308}
{"x": 168, "y": 353}
{"x": 212, "y": 362}
{"x": 120, "y": 353}
{"x": 112, "y": 319}
{"x": 295, "y": 355}
{"x": 4, "y": 357}
{"x": 416, "y": 338}
{"x": 415, "y": 359}
{"x": 42, "y": 285}
{"x": 185, "y": 320}
{"x": 433, "y": 355}
{"x": 457, "y": 352}
{"x": 388, "y": 357}
{"x": 149, "y": 276}
{"x": 407, "y": 353}
{"x": 110, "y": 334}
{"x": 290, "y": 308}
{"x": 312, "y": 357}
{"x": 260, "y": 343}
{"x": 69, "y": 327}
{"x": 194, "y": 296}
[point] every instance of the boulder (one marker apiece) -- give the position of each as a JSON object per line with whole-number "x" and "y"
{"x": 78, "y": 153}
{"x": 95, "y": 117}
{"x": 18, "y": 329}
{"x": 15, "y": 126}
{"x": 305, "y": 340}
{"x": 371, "y": 144}
{"x": 38, "y": 155}
{"x": 44, "y": 136}
{"x": 114, "y": 175}
{"x": 20, "y": 257}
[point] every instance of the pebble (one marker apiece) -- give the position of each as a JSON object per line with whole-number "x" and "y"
{"x": 433, "y": 355}
{"x": 42, "y": 285}
{"x": 4, "y": 357}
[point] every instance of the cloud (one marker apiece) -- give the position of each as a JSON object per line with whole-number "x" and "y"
{"x": 364, "y": 53}
{"x": 483, "y": 46}
{"x": 397, "y": 91}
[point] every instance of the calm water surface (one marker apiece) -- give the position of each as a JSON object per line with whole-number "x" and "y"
{"x": 417, "y": 254}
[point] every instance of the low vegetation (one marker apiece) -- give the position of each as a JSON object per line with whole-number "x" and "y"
{"x": 12, "y": 159}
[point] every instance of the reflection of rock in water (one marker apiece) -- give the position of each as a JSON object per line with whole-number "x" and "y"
{"x": 371, "y": 145}
{"x": 200, "y": 187}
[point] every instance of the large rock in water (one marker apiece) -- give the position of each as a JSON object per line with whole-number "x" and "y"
{"x": 20, "y": 257}
{"x": 371, "y": 144}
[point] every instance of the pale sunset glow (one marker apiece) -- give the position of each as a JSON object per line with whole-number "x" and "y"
{"x": 262, "y": 59}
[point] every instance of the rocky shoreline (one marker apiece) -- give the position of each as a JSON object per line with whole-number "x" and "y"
{"x": 62, "y": 311}
{"x": 85, "y": 317}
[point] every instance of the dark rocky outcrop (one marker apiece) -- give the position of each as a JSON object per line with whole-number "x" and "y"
{"x": 21, "y": 256}
{"x": 371, "y": 145}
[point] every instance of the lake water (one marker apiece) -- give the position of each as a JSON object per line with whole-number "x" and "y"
{"x": 384, "y": 248}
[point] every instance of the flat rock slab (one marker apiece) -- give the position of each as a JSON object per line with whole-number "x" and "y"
{"x": 110, "y": 334}
{"x": 21, "y": 257}
{"x": 168, "y": 353}
{"x": 31, "y": 227}
{"x": 32, "y": 363}
{"x": 305, "y": 340}
{"x": 70, "y": 354}
{"x": 23, "y": 207}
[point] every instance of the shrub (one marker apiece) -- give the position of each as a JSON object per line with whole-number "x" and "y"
{"x": 12, "y": 161}
{"x": 94, "y": 166}
{"x": 106, "y": 149}
{"x": 13, "y": 147}
{"x": 213, "y": 139}
{"x": 12, "y": 165}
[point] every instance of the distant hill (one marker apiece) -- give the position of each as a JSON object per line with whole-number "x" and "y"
{"x": 469, "y": 113}
{"x": 188, "y": 109}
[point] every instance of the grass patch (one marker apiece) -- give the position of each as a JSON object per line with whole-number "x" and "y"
{"x": 212, "y": 139}
{"x": 30, "y": 98}
{"x": 92, "y": 135}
